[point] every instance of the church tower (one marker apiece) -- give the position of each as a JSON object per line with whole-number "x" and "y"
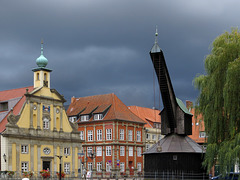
{"x": 41, "y": 73}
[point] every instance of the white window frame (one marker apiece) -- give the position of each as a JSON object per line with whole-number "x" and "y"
{"x": 108, "y": 150}
{"x": 73, "y": 118}
{"x": 153, "y": 137}
{"x": 24, "y": 149}
{"x": 139, "y": 167}
{"x": 139, "y": 151}
{"x": 130, "y": 151}
{"x": 90, "y": 135}
{"x": 130, "y": 133}
{"x": 122, "y": 166}
{"x": 46, "y": 123}
{"x": 108, "y": 167}
{"x": 99, "y": 135}
{"x": 90, "y": 166}
{"x": 138, "y": 136}
{"x": 89, "y": 150}
{"x": 99, "y": 151}
{"x": 99, "y": 166}
{"x": 24, "y": 166}
{"x": 98, "y": 116}
{"x": 121, "y": 137}
{"x": 202, "y": 134}
{"x": 84, "y": 117}
{"x": 122, "y": 150}
{"x": 66, "y": 151}
{"x": 67, "y": 168}
{"x": 81, "y": 134}
{"x": 108, "y": 134}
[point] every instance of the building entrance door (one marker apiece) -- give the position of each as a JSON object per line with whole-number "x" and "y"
{"x": 131, "y": 168}
{"x": 46, "y": 165}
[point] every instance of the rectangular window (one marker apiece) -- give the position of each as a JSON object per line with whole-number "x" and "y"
{"x": 73, "y": 118}
{"x": 67, "y": 168}
{"x": 66, "y": 151}
{"x": 121, "y": 134}
{"x": 139, "y": 151}
{"x": 147, "y": 147}
{"x": 130, "y": 135}
{"x": 99, "y": 134}
{"x": 4, "y": 106}
{"x": 98, "y": 116}
{"x": 130, "y": 149}
{"x": 122, "y": 167}
{"x": 90, "y": 135}
{"x": 139, "y": 167}
{"x": 122, "y": 151}
{"x": 202, "y": 134}
{"x": 108, "y": 150}
{"x": 148, "y": 136}
{"x": 99, "y": 166}
{"x": 45, "y": 123}
{"x": 99, "y": 150}
{"x": 108, "y": 167}
{"x": 81, "y": 135}
{"x": 90, "y": 166}
{"x": 109, "y": 134}
{"x": 154, "y": 137}
{"x": 84, "y": 117}
{"x": 159, "y": 137}
{"x": 24, "y": 149}
{"x": 89, "y": 151}
{"x": 24, "y": 166}
{"x": 138, "y": 136}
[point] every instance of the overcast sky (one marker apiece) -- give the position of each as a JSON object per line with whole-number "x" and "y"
{"x": 102, "y": 46}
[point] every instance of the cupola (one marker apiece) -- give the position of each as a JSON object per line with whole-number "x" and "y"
{"x": 41, "y": 73}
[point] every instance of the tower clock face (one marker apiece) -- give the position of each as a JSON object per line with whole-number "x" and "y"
{"x": 46, "y": 151}
{"x": 34, "y": 107}
{"x": 57, "y": 111}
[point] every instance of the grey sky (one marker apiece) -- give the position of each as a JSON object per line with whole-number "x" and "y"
{"x": 97, "y": 47}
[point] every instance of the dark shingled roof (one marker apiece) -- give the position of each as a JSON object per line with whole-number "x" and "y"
{"x": 174, "y": 143}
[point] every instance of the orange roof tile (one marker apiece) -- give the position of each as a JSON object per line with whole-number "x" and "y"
{"x": 12, "y": 94}
{"x": 96, "y": 104}
{"x": 146, "y": 114}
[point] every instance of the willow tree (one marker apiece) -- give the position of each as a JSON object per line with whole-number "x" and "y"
{"x": 219, "y": 101}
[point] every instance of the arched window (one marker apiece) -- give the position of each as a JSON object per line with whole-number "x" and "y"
{"x": 45, "y": 123}
{"x": 45, "y": 76}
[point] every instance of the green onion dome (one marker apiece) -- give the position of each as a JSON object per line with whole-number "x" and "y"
{"x": 41, "y": 60}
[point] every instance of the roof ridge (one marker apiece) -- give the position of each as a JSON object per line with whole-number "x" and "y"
{"x": 16, "y": 88}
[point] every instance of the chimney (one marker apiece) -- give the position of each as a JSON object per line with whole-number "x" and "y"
{"x": 73, "y": 99}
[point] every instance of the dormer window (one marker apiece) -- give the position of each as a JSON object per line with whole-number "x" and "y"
{"x": 4, "y": 106}
{"x": 73, "y": 118}
{"x": 98, "y": 116}
{"x": 84, "y": 117}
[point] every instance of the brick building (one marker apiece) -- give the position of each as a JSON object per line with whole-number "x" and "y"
{"x": 153, "y": 124}
{"x": 113, "y": 135}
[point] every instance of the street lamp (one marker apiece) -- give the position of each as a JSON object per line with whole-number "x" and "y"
{"x": 60, "y": 167}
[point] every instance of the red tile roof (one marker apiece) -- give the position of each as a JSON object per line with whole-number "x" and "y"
{"x": 96, "y": 104}
{"x": 150, "y": 116}
{"x": 12, "y": 94}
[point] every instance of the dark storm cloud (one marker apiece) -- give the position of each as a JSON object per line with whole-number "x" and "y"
{"x": 97, "y": 47}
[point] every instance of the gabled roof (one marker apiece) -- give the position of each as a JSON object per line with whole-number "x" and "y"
{"x": 150, "y": 116}
{"x": 117, "y": 110}
{"x": 8, "y": 95}
{"x": 174, "y": 143}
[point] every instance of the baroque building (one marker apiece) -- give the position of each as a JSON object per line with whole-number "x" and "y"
{"x": 35, "y": 131}
{"x": 113, "y": 135}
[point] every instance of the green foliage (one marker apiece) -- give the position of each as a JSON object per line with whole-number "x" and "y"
{"x": 219, "y": 101}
